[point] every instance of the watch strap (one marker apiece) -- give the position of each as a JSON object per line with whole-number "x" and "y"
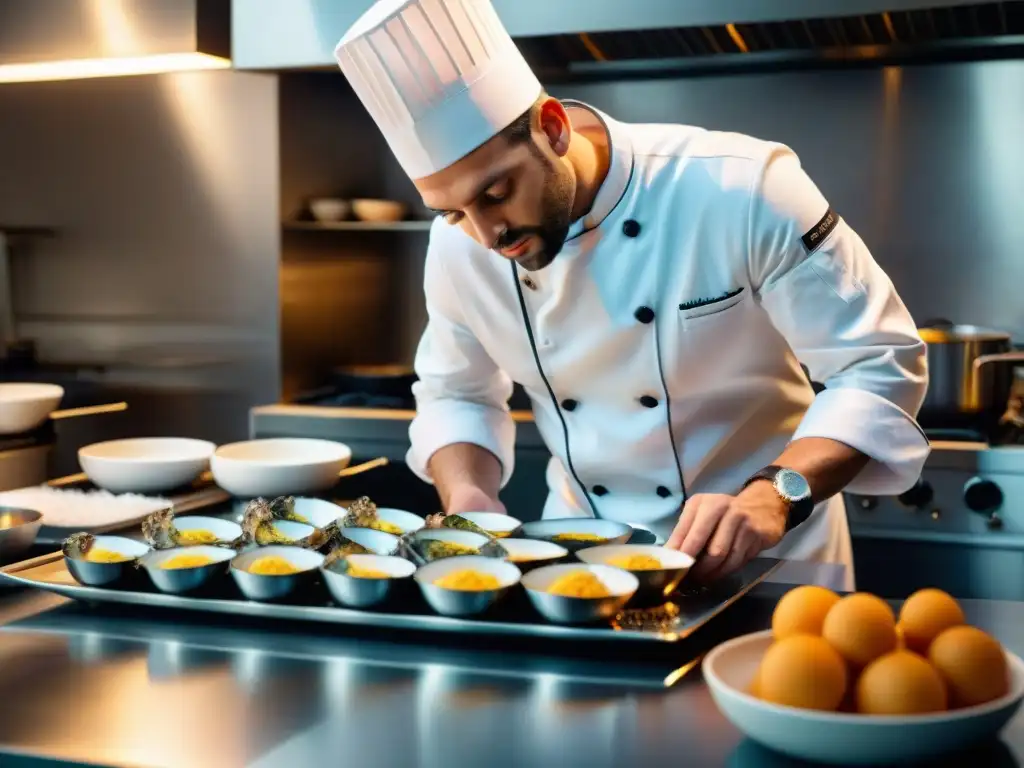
{"x": 799, "y": 509}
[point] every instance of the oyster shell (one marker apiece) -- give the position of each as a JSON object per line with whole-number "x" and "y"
{"x": 158, "y": 529}
{"x": 283, "y": 508}
{"x": 458, "y": 522}
{"x": 428, "y": 550}
{"x": 258, "y": 526}
{"x": 77, "y": 545}
{"x": 361, "y": 513}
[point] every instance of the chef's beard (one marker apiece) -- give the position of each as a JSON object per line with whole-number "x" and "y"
{"x": 556, "y": 218}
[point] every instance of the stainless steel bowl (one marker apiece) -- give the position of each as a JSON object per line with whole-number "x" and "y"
{"x": 457, "y": 602}
{"x": 176, "y": 581}
{"x": 659, "y": 582}
{"x": 92, "y": 574}
{"x": 579, "y": 610}
{"x": 18, "y": 531}
{"x": 357, "y": 592}
{"x": 265, "y": 588}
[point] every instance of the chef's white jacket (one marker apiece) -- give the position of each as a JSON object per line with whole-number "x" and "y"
{"x": 661, "y": 349}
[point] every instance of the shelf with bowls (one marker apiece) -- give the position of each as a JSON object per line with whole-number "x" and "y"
{"x": 357, "y": 226}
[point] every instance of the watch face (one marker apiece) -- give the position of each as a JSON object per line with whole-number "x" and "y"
{"x": 792, "y": 485}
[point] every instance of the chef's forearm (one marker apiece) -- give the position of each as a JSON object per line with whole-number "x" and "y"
{"x": 828, "y": 465}
{"x": 459, "y": 466}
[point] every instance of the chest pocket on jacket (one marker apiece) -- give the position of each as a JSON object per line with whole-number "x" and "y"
{"x": 696, "y": 312}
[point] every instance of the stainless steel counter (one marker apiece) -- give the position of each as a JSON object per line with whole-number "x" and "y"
{"x": 121, "y": 688}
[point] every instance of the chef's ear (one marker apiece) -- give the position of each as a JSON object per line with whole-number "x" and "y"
{"x": 554, "y": 124}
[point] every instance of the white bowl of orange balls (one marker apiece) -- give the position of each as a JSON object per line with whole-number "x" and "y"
{"x": 846, "y": 680}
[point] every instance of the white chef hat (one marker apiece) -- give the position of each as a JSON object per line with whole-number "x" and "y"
{"x": 439, "y": 77}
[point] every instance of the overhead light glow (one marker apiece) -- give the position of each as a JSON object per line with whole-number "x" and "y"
{"x": 79, "y": 69}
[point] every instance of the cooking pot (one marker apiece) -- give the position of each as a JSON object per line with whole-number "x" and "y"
{"x": 970, "y": 376}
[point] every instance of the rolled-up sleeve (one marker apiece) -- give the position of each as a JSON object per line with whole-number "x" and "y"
{"x": 461, "y": 395}
{"x": 842, "y": 317}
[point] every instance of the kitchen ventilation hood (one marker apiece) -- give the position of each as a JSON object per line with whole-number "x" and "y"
{"x": 614, "y": 38}
{"x": 63, "y": 39}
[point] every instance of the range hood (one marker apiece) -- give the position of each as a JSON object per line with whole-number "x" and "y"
{"x": 612, "y": 38}
{"x": 62, "y": 39}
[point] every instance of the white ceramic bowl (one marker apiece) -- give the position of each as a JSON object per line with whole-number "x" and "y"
{"x": 265, "y": 587}
{"x": 458, "y": 602}
{"x": 495, "y": 523}
{"x": 145, "y": 464}
{"x": 378, "y": 210}
{"x": 357, "y": 592}
{"x": 26, "y": 406}
{"x": 609, "y": 531}
{"x": 579, "y": 610}
{"x": 226, "y": 531}
{"x": 656, "y": 582}
{"x": 91, "y": 574}
{"x": 406, "y": 521}
{"x": 527, "y": 554}
{"x": 176, "y": 581}
{"x": 378, "y": 542}
{"x": 328, "y": 209}
{"x": 827, "y": 737}
{"x": 279, "y": 466}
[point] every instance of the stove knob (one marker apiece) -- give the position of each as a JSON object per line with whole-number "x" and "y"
{"x": 982, "y": 496}
{"x": 918, "y": 496}
{"x": 867, "y": 503}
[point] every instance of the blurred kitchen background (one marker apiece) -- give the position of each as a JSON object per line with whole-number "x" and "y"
{"x": 160, "y": 249}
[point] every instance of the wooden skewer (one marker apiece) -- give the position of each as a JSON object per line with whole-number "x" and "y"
{"x": 89, "y": 410}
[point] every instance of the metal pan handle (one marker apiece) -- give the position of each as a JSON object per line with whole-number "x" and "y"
{"x": 1008, "y": 358}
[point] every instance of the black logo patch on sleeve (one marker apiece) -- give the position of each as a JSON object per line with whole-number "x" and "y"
{"x": 817, "y": 234}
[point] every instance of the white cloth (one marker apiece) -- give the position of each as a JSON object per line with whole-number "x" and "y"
{"x": 439, "y": 77}
{"x": 719, "y": 215}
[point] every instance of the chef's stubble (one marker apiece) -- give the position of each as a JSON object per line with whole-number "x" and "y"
{"x": 556, "y": 218}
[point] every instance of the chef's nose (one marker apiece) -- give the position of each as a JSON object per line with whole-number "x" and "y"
{"x": 484, "y": 229}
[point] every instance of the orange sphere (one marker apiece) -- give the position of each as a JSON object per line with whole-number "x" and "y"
{"x": 900, "y": 683}
{"x": 802, "y": 611}
{"x": 925, "y": 614}
{"x": 973, "y": 665}
{"x": 803, "y": 671}
{"x": 861, "y": 627}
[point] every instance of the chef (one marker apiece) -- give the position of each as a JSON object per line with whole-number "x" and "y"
{"x": 654, "y": 288}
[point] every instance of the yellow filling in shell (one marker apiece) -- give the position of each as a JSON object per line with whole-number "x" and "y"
{"x": 198, "y": 536}
{"x": 384, "y": 525}
{"x": 636, "y": 562}
{"x": 106, "y": 556}
{"x": 185, "y": 561}
{"x": 468, "y": 581}
{"x": 579, "y": 537}
{"x": 579, "y": 584}
{"x": 364, "y": 573}
{"x": 272, "y": 565}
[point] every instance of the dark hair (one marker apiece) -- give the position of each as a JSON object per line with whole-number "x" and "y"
{"x": 520, "y": 129}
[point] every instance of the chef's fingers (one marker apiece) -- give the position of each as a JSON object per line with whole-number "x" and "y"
{"x": 720, "y": 544}
{"x": 711, "y": 511}
{"x": 745, "y": 548}
{"x": 685, "y": 522}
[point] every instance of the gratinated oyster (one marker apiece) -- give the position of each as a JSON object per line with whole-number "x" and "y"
{"x": 258, "y": 527}
{"x": 458, "y": 522}
{"x": 161, "y": 532}
{"x": 82, "y": 546}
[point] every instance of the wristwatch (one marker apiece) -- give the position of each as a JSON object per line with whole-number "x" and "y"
{"x": 792, "y": 488}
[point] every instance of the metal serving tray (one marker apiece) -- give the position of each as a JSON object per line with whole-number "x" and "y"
{"x": 670, "y": 622}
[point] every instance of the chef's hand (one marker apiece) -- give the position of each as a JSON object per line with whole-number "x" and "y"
{"x": 729, "y": 530}
{"x": 470, "y": 498}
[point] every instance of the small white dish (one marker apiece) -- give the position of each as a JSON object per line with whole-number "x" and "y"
{"x": 92, "y": 574}
{"x": 358, "y": 592}
{"x": 282, "y": 466}
{"x": 329, "y": 209}
{"x": 498, "y": 525}
{"x": 621, "y": 585}
{"x": 844, "y": 738}
{"x": 145, "y": 464}
{"x": 458, "y": 602}
{"x": 606, "y": 531}
{"x": 654, "y": 582}
{"x": 378, "y": 542}
{"x": 528, "y": 554}
{"x": 226, "y": 531}
{"x": 267, "y": 587}
{"x": 292, "y": 530}
{"x": 406, "y": 522}
{"x": 176, "y": 581}
{"x": 25, "y": 406}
